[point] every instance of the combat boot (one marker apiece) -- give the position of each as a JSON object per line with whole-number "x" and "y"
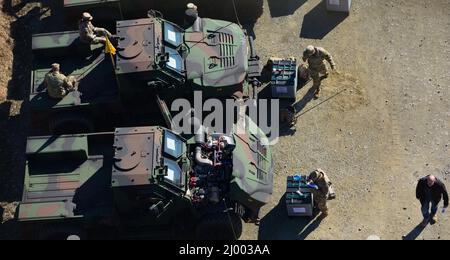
{"x": 325, "y": 76}
{"x": 317, "y": 94}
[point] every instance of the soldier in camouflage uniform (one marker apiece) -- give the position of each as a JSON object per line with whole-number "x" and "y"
{"x": 324, "y": 192}
{"x": 316, "y": 57}
{"x": 58, "y": 85}
{"x": 191, "y": 15}
{"x": 91, "y": 34}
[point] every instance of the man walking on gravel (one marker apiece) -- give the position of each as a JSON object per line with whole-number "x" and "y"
{"x": 430, "y": 191}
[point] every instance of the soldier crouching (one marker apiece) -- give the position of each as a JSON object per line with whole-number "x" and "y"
{"x": 91, "y": 34}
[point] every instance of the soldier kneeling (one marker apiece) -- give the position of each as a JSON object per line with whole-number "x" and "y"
{"x": 58, "y": 85}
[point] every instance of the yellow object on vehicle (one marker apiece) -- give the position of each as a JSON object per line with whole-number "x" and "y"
{"x": 109, "y": 48}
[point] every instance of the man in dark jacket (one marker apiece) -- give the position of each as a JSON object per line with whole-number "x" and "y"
{"x": 430, "y": 190}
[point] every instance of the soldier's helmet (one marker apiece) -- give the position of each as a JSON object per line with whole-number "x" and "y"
{"x": 192, "y": 6}
{"x": 315, "y": 175}
{"x": 309, "y": 51}
{"x": 191, "y": 14}
{"x": 87, "y": 16}
{"x": 55, "y": 67}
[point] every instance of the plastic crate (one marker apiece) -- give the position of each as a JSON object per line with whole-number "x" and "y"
{"x": 284, "y": 78}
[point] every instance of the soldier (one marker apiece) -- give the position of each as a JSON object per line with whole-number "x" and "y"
{"x": 318, "y": 70}
{"x": 91, "y": 34}
{"x": 191, "y": 16}
{"x": 58, "y": 85}
{"x": 324, "y": 192}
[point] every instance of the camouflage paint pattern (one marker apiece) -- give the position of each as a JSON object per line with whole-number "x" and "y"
{"x": 64, "y": 48}
{"x": 50, "y": 196}
{"x": 215, "y": 58}
{"x": 252, "y": 168}
{"x": 70, "y": 177}
{"x": 67, "y": 177}
{"x": 218, "y": 54}
{"x": 137, "y": 155}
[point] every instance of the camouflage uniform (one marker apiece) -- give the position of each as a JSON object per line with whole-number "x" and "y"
{"x": 91, "y": 34}
{"x": 316, "y": 64}
{"x": 58, "y": 85}
{"x": 325, "y": 191}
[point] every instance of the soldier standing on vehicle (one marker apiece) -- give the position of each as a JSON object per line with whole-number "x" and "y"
{"x": 91, "y": 34}
{"x": 316, "y": 57}
{"x": 58, "y": 85}
{"x": 191, "y": 16}
{"x": 430, "y": 190}
{"x": 324, "y": 192}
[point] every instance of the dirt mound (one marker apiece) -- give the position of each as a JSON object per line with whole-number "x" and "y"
{"x": 6, "y": 55}
{"x": 345, "y": 90}
{"x": 9, "y": 210}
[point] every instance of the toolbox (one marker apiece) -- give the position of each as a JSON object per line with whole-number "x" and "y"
{"x": 284, "y": 78}
{"x": 299, "y": 197}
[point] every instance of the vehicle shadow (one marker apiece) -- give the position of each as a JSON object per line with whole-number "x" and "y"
{"x": 319, "y": 22}
{"x": 9, "y": 230}
{"x": 277, "y": 225}
{"x": 14, "y": 123}
{"x": 288, "y": 7}
{"x": 5, "y": 108}
{"x": 415, "y": 233}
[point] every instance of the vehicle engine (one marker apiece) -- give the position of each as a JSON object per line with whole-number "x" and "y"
{"x": 213, "y": 166}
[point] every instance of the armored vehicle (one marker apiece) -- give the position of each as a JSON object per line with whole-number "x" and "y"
{"x": 132, "y": 182}
{"x": 154, "y": 56}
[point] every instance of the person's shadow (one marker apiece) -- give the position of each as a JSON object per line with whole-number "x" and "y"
{"x": 415, "y": 233}
{"x": 319, "y": 22}
{"x": 277, "y": 225}
{"x": 308, "y": 97}
{"x": 288, "y": 7}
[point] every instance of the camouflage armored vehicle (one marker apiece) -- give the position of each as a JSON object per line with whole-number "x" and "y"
{"x": 154, "y": 56}
{"x": 134, "y": 182}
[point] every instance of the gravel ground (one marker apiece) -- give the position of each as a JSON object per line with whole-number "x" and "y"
{"x": 388, "y": 128}
{"x": 381, "y": 123}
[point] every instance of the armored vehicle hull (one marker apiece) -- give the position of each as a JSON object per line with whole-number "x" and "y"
{"x": 154, "y": 57}
{"x": 144, "y": 178}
